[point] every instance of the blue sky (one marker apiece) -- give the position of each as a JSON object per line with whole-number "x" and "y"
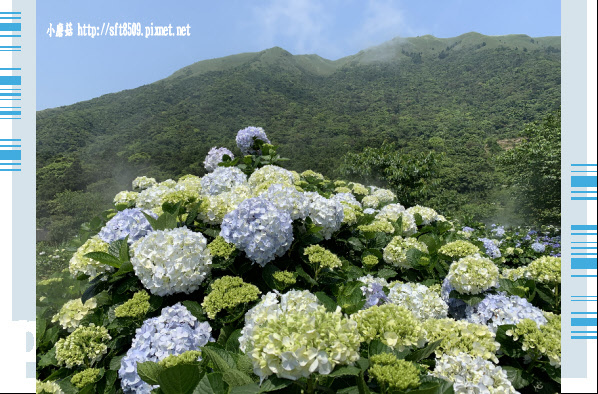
{"x": 72, "y": 69}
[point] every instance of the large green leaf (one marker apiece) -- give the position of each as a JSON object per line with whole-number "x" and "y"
{"x": 421, "y": 354}
{"x": 179, "y": 379}
{"x": 236, "y": 378}
{"x": 219, "y": 359}
{"x": 104, "y": 258}
{"x": 211, "y": 383}
{"x": 149, "y": 372}
{"x": 518, "y": 377}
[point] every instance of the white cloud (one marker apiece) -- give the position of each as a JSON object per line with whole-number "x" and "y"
{"x": 383, "y": 20}
{"x": 300, "y": 22}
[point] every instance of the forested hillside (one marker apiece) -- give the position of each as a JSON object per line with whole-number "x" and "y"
{"x": 466, "y": 98}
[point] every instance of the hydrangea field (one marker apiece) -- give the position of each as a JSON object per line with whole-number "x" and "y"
{"x": 255, "y": 279}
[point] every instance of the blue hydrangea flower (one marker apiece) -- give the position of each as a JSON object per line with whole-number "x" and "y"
{"x": 499, "y": 231}
{"x": 259, "y": 229}
{"x": 538, "y": 247}
{"x": 129, "y": 222}
{"x": 499, "y": 309}
{"x": 492, "y": 249}
{"x": 245, "y": 139}
{"x": 468, "y": 229}
{"x": 214, "y": 158}
{"x": 221, "y": 180}
{"x": 175, "y": 331}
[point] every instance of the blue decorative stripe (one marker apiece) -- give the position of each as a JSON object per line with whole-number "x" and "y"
{"x": 10, "y": 154}
{"x": 584, "y": 165}
{"x": 583, "y": 264}
{"x": 583, "y": 337}
{"x": 584, "y": 322}
{"x": 10, "y": 27}
{"x": 584, "y": 313}
{"x": 583, "y": 181}
{"x": 10, "y": 80}
{"x": 584, "y": 227}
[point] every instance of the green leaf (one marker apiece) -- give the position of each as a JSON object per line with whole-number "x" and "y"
{"x": 387, "y": 273}
{"x": 507, "y": 345}
{"x": 326, "y": 301}
{"x": 48, "y": 359}
{"x": 92, "y": 290}
{"x": 125, "y": 268}
{"x": 301, "y": 272}
{"x": 355, "y": 243}
{"x": 432, "y": 385}
{"x": 149, "y": 372}
{"x": 195, "y": 309}
{"x": 104, "y": 258}
{"x": 232, "y": 342}
{"x": 274, "y": 383}
{"x": 251, "y": 388}
{"x": 211, "y": 383}
{"x": 350, "y": 297}
{"x": 516, "y": 377}
{"x": 362, "y": 385}
{"x": 114, "y": 248}
{"x": 219, "y": 359}
{"x": 115, "y": 362}
{"x": 267, "y": 274}
{"x": 235, "y": 378}
{"x": 180, "y": 379}
{"x": 423, "y": 353}
{"x": 110, "y": 381}
{"x": 345, "y": 370}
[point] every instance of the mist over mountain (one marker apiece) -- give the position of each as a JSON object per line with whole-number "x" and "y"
{"x": 466, "y": 96}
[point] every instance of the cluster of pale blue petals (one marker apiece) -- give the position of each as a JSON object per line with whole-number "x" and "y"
{"x": 246, "y": 136}
{"x": 492, "y": 249}
{"x": 129, "y": 222}
{"x": 175, "y": 331}
{"x": 259, "y": 229}
{"x": 287, "y": 198}
{"x": 346, "y": 198}
{"x": 214, "y": 158}
{"x": 499, "y": 309}
{"x": 222, "y": 179}
{"x": 538, "y": 247}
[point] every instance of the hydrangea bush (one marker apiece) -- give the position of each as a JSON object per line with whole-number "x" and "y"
{"x": 254, "y": 278}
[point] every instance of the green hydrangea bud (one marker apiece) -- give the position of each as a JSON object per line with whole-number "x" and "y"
{"x": 370, "y": 260}
{"x": 377, "y": 226}
{"x": 188, "y": 357}
{"x": 321, "y": 257}
{"x": 462, "y": 337}
{"x": 394, "y": 325}
{"x": 84, "y": 346}
{"x": 220, "y": 248}
{"x": 70, "y": 315}
{"x": 546, "y": 269}
{"x": 459, "y": 249}
{"x": 392, "y": 373}
{"x": 540, "y": 341}
{"x": 85, "y": 377}
{"x": 360, "y": 190}
{"x": 136, "y": 307}
{"x": 284, "y": 279}
{"x": 183, "y": 196}
{"x": 342, "y": 189}
{"x": 395, "y": 252}
{"x": 227, "y": 293}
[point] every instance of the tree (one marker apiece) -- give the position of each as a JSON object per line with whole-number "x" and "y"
{"x": 409, "y": 175}
{"x": 534, "y": 170}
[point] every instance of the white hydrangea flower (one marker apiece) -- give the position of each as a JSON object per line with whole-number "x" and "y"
{"x": 472, "y": 375}
{"x": 70, "y": 315}
{"x": 419, "y": 299}
{"x": 143, "y": 182}
{"x": 268, "y": 175}
{"x": 347, "y": 199}
{"x": 125, "y": 197}
{"x": 151, "y": 198}
{"x": 391, "y": 212}
{"x": 288, "y": 199}
{"x": 190, "y": 183}
{"x": 259, "y": 229}
{"x": 370, "y": 202}
{"x": 171, "y": 261}
{"x": 395, "y": 252}
{"x": 473, "y": 274}
{"x": 385, "y": 196}
{"x": 213, "y": 208}
{"x": 214, "y": 158}
{"x": 297, "y": 337}
{"x": 325, "y": 213}
{"x": 80, "y": 264}
{"x": 428, "y": 214}
{"x": 222, "y": 179}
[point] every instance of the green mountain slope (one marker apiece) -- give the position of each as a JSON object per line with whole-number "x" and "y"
{"x": 466, "y": 91}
